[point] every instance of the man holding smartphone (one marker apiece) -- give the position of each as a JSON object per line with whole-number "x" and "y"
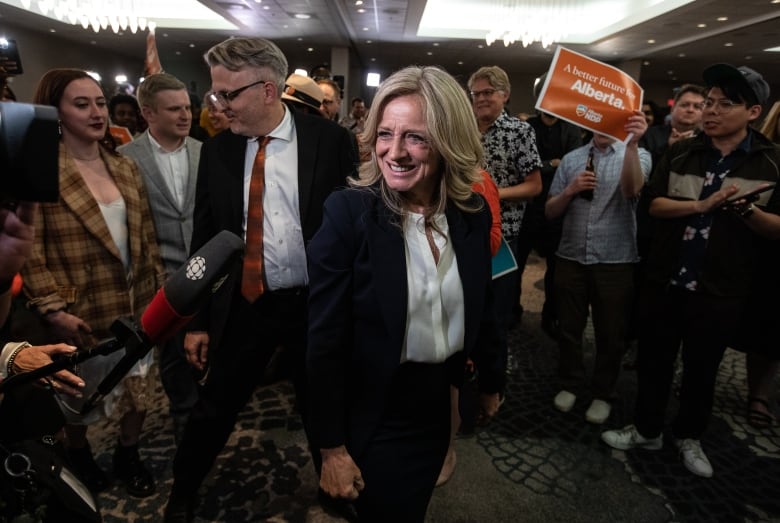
{"x": 702, "y": 257}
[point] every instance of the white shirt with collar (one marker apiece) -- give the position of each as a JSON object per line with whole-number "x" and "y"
{"x": 284, "y": 254}
{"x": 174, "y": 167}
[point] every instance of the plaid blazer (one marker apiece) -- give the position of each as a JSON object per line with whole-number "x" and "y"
{"x": 75, "y": 264}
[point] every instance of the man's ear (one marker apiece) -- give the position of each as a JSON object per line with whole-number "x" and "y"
{"x": 147, "y": 111}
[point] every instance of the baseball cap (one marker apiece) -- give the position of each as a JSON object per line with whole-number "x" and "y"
{"x": 751, "y": 84}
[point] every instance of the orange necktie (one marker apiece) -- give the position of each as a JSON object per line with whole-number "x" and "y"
{"x": 252, "y": 285}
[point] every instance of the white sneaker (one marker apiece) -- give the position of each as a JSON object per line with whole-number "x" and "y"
{"x": 694, "y": 458}
{"x": 564, "y": 401}
{"x": 629, "y": 438}
{"x": 598, "y": 412}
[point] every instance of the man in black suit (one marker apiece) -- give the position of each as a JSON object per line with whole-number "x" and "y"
{"x": 235, "y": 337}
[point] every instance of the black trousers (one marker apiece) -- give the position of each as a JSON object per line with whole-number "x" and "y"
{"x": 404, "y": 457}
{"x": 236, "y": 367}
{"x": 702, "y": 325}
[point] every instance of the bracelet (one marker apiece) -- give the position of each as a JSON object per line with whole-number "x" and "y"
{"x": 12, "y": 358}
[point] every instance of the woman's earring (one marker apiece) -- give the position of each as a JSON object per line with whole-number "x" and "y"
{"x": 59, "y": 127}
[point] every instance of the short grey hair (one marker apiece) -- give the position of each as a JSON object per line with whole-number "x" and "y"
{"x": 237, "y": 53}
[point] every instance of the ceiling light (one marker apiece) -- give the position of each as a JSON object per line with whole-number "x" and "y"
{"x": 435, "y": 44}
{"x": 430, "y": 53}
{"x": 681, "y": 55}
{"x": 460, "y": 62}
{"x": 701, "y": 26}
{"x": 310, "y": 49}
{"x": 531, "y": 21}
{"x": 722, "y": 18}
{"x": 121, "y": 16}
{"x": 372, "y": 79}
{"x": 646, "y": 62}
{"x": 361, "y": 10}
{"x": 358, "y": 2}
{"x": 728, "y": 44}
{"x": 302, "y": 16}
{"x": 365, "y": 29}
{"x": 258, "y": 1}
{"x": 651, "y": 41}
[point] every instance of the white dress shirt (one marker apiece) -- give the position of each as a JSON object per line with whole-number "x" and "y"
{"x": 174, "y": 167}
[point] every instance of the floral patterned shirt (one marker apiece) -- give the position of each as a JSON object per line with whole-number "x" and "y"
{"x": 510, "y": 155}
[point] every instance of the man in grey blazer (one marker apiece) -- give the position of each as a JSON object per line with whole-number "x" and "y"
{"x": 168, "y": 160}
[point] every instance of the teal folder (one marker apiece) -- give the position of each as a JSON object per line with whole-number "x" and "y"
{"x": 504, "y": 261}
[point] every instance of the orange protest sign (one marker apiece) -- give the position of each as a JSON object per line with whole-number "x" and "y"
{"x": 121, "y": 135}
{"x": 589, "y": 93}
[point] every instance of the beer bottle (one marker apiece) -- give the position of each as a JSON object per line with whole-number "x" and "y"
{"x": 588, "y": 195}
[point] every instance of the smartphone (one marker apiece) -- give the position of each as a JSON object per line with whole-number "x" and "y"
{"x": 752, "y": 195}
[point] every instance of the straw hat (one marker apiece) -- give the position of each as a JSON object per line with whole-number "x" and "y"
{"x": 302, "y": 89}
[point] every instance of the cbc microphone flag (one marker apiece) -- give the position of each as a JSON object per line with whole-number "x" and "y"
{"x": 152, "y": 62}
{"x": 589, "y": 93}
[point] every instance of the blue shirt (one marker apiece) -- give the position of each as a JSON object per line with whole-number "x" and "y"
{"x": 602, "y": 230}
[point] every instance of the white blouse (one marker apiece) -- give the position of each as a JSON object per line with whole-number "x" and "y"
{"x": 435, "y": 320}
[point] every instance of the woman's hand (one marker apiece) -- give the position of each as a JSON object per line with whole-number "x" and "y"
{"x": 340, "y": 476}
{"x": 36, "y": 356}
{"x": 68, "y": 328}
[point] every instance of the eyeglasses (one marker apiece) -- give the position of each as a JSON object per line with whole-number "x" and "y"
{"x": 411, "y": 140}
{"x": 221, "y": 99}
{"x": 487, "y": 93}
{"x": 691, "y": 105}
{"x": 723, "y": 105}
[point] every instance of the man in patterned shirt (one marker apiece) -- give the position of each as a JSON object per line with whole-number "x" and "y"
{"x": 512, "y": 160}
{"x": 704, "y": 253}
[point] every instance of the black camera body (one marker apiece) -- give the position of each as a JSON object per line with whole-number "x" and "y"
{"x": 29, "y": 152}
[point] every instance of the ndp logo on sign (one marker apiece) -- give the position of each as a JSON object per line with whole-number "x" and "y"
{"x": 582, "y": 109}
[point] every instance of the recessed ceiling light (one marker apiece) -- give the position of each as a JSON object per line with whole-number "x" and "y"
{"x": 258, "y": 1}
{"x": 651, "y": 41}
{"x": 646, "y": 62}
{"x": 670, "y": 72}
{"x": 681, "y": 55}
{"x": 728, "y": 44}
{"x": 266, "y": 7}
{"x": 310, "y": 49}
{"x": 430, "y": 53}
{"x": 178, "y": 52}
{"x": 369, "y": 41}
{"x": 460, "y": 62}
{"x": 358, "y": 2}
{"x": 192, "y": 45}
{"x": 373, "y": 59}
{"x": 165, "y": 35}
{"x": 748, "y": 57}
{"x": 480, "y": 46}
{"x": 365, "y": 29}
{"x": 302, "y": 16}
{"x": 52, "y": 30}
{"x": 300, "y": 39}
{"x": 701, "y": 26}
{"x": 361, "y": 10}
{"x": 285, "y": 26}
{"x": 722, "y": 18}
{"x": 435, "y": 44}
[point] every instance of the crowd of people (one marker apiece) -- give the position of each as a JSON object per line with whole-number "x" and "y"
{"x": 368, "y": 263}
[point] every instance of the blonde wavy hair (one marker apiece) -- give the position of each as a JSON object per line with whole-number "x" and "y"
{"x": 452, "y": 132}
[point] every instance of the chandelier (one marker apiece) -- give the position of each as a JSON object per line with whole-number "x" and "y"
{"x": 528, "y": 21}
{"x": 119, "y": 15}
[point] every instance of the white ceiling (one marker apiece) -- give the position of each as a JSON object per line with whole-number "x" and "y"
{"x": 384, "y": 37}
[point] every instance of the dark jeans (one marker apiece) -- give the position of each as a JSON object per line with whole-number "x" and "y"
{"x": 703, "y": 325}
{"x": 608, "y": 290}
{"x": 236, "y": 367}
{"x": 543, "y": 235}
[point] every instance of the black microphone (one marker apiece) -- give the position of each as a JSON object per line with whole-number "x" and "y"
{"x": 174, "y": 305}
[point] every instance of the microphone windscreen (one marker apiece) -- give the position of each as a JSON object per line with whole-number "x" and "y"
{"x": 160, "y": 321}
{"x": 204, "y": 272}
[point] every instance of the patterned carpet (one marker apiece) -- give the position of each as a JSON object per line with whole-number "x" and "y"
{"x": 532, "y": 463}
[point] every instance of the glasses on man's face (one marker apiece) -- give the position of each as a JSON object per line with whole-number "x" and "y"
{"x": 486, "y": 93}
{"x": 723, "y": 105}
{"x": 220, "y": 100}
{"x": 691, "y": 105}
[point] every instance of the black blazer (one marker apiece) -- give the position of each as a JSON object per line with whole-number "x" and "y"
{"x": 326, "y": 157}
{"x": 357, "y": 312}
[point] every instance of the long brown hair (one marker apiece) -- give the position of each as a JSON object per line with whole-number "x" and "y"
{"x": 51, "y": 88}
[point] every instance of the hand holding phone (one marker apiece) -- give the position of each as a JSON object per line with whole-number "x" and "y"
{"x": 750, "y": 196}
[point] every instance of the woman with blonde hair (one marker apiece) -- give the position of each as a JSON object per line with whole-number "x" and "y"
{"x": 400, "y": 295}
{"x": 95, "y": 259}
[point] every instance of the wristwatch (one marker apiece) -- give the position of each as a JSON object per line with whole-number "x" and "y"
{"x": 747, "y": 212}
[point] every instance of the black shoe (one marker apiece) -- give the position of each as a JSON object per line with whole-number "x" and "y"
{"x": 180, "y": 509}
{"x": 129, "y": 468}
{"x": 85, "y": 468}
